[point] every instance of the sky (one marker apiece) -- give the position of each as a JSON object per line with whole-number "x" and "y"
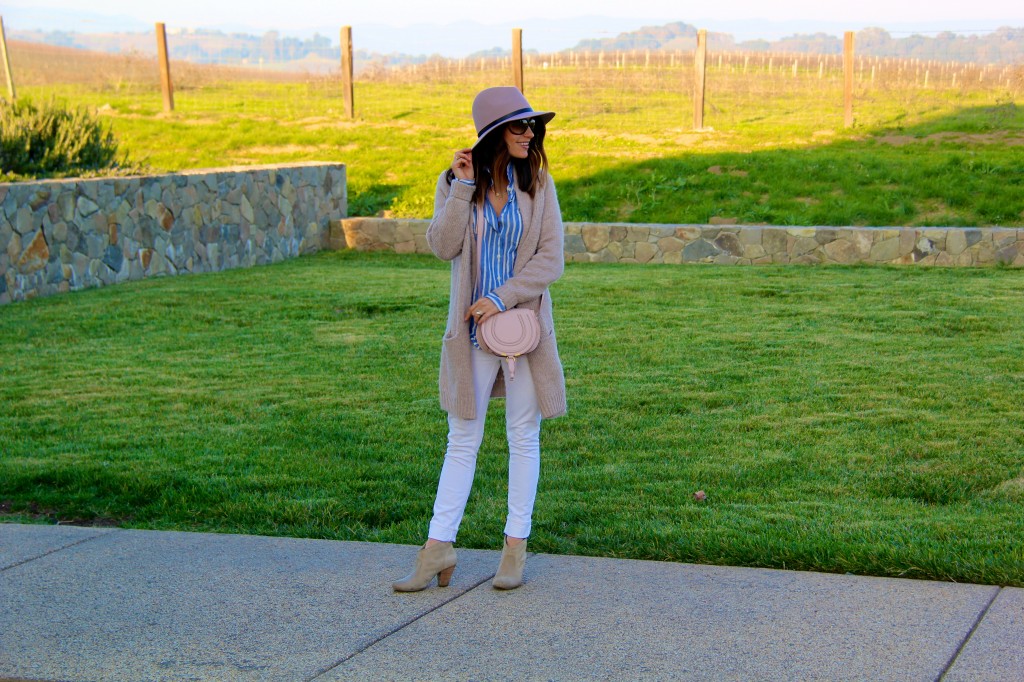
{"x": 301, "y": 13}
{"x": 558, "y": 24}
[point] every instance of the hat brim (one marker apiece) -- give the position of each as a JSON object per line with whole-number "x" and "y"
{"x": 544, "y": 116}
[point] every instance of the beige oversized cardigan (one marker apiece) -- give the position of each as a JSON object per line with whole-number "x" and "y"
{"x": 540, "y": 260}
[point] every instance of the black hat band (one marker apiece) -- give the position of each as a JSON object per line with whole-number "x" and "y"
{"x": 502, "y": 118}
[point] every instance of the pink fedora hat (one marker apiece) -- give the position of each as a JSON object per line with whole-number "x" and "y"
{"x": 495, "y": 106}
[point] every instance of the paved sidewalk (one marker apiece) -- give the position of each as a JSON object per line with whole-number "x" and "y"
{"x": 107, "y": 604}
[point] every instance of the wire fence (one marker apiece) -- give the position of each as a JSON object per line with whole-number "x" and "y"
{"x": 657, "y": 85}
{"x": 639, "y": 90}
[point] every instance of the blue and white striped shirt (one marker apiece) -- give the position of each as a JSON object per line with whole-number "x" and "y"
{"x": 500, "y": 245}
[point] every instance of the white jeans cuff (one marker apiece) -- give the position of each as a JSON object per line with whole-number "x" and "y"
{"x": 438, "y": 532}
{"x": 515, "y": 529}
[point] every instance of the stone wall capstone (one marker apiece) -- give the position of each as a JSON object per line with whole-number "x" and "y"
{"x": 734, "y": 244}
{"x": 63, "y": 235}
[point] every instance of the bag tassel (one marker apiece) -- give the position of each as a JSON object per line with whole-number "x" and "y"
{"x": 511, "y": 367}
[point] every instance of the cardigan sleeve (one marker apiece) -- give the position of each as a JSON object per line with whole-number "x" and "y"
{"x": 447, "y": 230}
{"x": 546, "y": 265}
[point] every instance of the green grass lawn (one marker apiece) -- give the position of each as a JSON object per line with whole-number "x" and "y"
{"x": 845, "y": 419}
{"x": 621, "y": 147}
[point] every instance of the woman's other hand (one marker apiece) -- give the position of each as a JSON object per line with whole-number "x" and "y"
{"x": 481, "y": 310}
{"x": 462, "y": 164}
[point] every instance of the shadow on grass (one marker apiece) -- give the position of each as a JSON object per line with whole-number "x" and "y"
{"x": 372, "y": 200}
{"x": 964, "y": 169}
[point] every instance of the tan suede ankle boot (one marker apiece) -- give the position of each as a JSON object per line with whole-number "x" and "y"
{"x": 436, "y": 559}
{"x": 510, "y": 570}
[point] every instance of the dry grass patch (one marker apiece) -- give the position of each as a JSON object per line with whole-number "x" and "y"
{"x": 1012, "y": 489}
{"x": 1001, "y": 137}
{"x": 286, "y": 149}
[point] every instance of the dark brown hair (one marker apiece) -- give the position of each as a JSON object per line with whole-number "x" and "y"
{"x": 491, "y": 157}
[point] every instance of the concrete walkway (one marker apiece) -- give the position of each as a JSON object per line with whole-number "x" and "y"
{"x": 106, "y": 604}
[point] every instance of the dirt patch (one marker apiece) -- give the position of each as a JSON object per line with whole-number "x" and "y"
{"x": 687, "y": 140}
{"x": 330, "y": 123}
{"x": 625, "y": 210}
{"x": 931, "y": 211}
{"x": 34, "y": 512}
{"x": 314, "y": 120}
{"x": 717, "y": 170}
{"x": 807, "y": 201}
{"x": 897, "y": 140}
{"x": 638, "y": 156}
{"x": 1002, "y": 137}
{"x": 587, "y": 132}
{"x": 110, "y": 111}
{"x": 683, "y": 139}
{"x": 284, "y": 149}
{"x": 642, "y": 139}
{"x": 632, "y": 137}
{"x": 1012, "y": 489}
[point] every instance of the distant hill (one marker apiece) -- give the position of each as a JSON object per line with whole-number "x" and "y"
{"x": 1005, "y": 45}
{"x": 202, "y": 46}
{"x": 199, "y": 46}
{"x": 674, "y": 36}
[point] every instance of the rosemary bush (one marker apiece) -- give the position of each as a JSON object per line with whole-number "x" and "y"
{"x": 52, "y": 140}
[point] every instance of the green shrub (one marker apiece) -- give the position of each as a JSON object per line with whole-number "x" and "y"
{"x": 52, "y": 139}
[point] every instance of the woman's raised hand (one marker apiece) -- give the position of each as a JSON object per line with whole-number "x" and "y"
{"x": 462, "y": 164}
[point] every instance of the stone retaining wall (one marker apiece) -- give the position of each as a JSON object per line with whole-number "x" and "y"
{"x": 62, "y": 235}
{"x": 732, "y": 244}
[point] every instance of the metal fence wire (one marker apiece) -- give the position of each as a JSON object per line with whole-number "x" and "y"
{"x": 640, "y": 90}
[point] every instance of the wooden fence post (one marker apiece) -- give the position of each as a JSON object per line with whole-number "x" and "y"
{"x": 517, "y": 58}
{"x": 7, "y": 62}
{"x": 699, "y": 58}
{"x": 848, "y": 79}
{"x": 165, "y": 67}
{"x": 346, "y": 71}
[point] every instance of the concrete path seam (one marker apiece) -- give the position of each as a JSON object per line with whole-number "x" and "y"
{"x": 967, "y": 637}
{"x": 397, "y": 629}
{"x": 104, "y": 534}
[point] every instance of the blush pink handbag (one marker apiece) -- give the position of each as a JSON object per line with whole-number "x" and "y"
{"x": 508, "y": 334}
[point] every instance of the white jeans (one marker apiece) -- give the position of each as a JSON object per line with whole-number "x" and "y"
{"x": 522, "y": 425}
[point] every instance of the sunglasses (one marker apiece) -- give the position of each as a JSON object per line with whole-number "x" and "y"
{"x": 519, "y": 127}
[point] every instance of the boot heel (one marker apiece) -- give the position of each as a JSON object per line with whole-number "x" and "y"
{"x": 445, "y": 576}
{"x": 436, "y": 560}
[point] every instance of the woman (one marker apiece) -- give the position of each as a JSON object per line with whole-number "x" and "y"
{"x": 504, "y": 179}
